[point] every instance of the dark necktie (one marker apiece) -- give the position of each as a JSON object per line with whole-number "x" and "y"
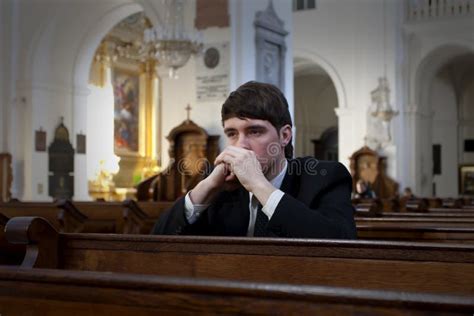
{"x": 260, "y": 223}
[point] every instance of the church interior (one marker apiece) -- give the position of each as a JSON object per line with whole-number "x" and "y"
{"x": 110, "y": 111}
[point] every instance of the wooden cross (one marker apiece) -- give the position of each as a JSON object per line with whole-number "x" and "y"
{"x": 188, "y": 109}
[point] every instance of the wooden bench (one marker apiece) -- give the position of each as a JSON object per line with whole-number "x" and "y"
{"x": 56, "y": 292}
{"x": 429, "y": 214}
{"x": 46, "y": 210}
{"x": 416, "y": 267}
{"x": 148, "y": 214}
{"x": 439, "y": 234}
{"x": 128, "y": 217}
{"x": 10, "y": 254}
{"x": 417, "y": 221}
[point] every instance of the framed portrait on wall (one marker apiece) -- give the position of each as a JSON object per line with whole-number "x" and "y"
{"x": 126, "y": 87}
{"x": 80, "y": 143}
{"x": 40, "y": 140}
{"x": 466, "y": 179}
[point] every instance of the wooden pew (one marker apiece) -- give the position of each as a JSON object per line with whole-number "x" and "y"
{"x": 89, "y": 217}
{"x": 46, "y": 210}
{"x": 465, "y": 211}
{"x": 147, "y": 214}
{"x": 55, "y": 292}
{"x": 417, "y": 221}
{"x": 99, "y": 217}
{"x": 128, "y": 217}
{"x": 152, "y": 209}
{"x": 416, "y": 267}
{"x": 10, "y": 254}
{"x": 418, "y": 205}
{"x": 63, "y": 215}
{"x": 438, "y": 234}
{"x": 429, "y": 215}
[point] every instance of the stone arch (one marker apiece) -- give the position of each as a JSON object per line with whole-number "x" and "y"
{"x": 316, "y": 98}
{"x": 426, "y": 132}
{"x": 93, "y": 37}
{"x": 429, "y": 66}
{"x": 312, "y": 58}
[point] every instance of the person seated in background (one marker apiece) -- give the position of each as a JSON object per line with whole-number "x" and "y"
{"x": 255, "y": 188}
{"x": 363, "y": 190}
{"x": 408, "y": 194}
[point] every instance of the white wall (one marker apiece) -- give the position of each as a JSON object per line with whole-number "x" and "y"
{"x": 4, "y": 13}
{"x": 315, "y": 101}
{"x": 467, "y": 123}
{"x": 243, "y": 64}
{"x": 49, "y": 38}
{"x": 100, "y": 128}
{"x": 346, "y": 38}
{"x": 445, "y": 133}
{"x": 427, "y": 47}
{"x": 178, "y": 93}
{"x": 47, "y": 47}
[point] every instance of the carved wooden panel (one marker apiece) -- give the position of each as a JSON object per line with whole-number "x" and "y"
{"x": 6, "y": 176}
{"x": 367, "y": 165}
{"x": 191, "y": 152}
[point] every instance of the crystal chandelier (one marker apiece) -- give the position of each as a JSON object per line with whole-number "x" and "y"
{"x": 170, "y": 44}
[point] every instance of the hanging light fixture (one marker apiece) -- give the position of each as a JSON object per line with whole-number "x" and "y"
{"x": 170, "y": 44}
{"x": 381, "y": 112}
{"x": 381, "y": 95}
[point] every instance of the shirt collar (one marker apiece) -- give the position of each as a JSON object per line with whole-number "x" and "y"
{"x": 278, "y": 180}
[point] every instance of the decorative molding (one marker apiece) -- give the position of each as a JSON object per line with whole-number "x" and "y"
{"x": 270, "y": 47}
{"x": 342, "y": 112}
{"x": 270, "y": 21}
{"x": 54, "y": 88}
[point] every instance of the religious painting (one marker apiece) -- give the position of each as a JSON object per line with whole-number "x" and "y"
{"x": 466, "y": 180}
{"x": 126, "y": 85}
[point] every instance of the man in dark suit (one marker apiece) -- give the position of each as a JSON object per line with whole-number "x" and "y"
{"x": 256, "y": 189}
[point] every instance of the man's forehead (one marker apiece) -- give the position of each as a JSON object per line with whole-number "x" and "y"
{"x": 236, "y": 122}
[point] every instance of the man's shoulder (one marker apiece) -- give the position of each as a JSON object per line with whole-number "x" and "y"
{"x": 313, "y": 167}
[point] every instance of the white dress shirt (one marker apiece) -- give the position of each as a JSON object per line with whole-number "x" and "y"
{"x": 193, "y": 211}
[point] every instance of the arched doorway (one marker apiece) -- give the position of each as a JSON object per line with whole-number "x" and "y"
{"x": 326, "y": 147}
{"x": 315, "y": 120}
{"x": 446, "y": 94}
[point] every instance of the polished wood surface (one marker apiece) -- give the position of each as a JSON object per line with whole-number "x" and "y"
{"x": 433, "y": 268}
{"x": 54, "y": 292}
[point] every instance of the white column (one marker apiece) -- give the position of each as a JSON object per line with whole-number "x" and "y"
{"x": 348, "y": 131}
{"x": 418, "y": 152}
{"x": 81, "y": 189}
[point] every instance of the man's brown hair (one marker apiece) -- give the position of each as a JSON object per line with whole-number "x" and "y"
{"x": 262, "y": 101}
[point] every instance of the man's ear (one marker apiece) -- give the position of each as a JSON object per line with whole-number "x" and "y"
{"x": 285, "y": 135}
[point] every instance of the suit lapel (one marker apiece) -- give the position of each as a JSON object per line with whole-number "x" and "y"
{"x": 290, "y": 184}
{"x": 299, "y": 183}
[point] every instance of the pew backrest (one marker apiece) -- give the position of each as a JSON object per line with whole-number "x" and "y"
{"x": 424, "y": 267}
{"x": 54, "y": 292}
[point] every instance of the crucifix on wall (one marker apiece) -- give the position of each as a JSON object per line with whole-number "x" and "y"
{"x": 188, "y": 112}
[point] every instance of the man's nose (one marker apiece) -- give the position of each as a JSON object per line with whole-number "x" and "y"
{"x": 242, "y": 142}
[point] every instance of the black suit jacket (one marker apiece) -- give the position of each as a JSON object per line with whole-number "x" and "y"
{"x": 316, "y": 204}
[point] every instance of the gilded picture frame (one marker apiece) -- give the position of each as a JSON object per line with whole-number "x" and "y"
{"x": 127, "y": 104}
{"x": 466, "y": 179}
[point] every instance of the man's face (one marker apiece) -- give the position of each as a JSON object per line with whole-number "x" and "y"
{"x": 259, "y": 136}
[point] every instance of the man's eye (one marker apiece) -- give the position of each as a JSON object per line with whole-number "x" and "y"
{"x": 231, "y": 135}
{"x": 255, "y": 132}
